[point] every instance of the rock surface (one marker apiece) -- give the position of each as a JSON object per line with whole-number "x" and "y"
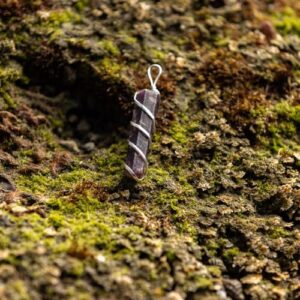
{"x": 217, "y": 216}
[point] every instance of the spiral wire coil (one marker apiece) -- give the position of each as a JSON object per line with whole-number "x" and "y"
{"x": 150, "y": 115}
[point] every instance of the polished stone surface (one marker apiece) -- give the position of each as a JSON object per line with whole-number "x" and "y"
{"x": 151, "y": 100}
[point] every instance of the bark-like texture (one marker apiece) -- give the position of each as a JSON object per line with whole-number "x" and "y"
{"x": 217, "y": 216}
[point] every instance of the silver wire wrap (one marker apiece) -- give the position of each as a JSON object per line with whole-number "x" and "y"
{"x": 150, "y": 115}
{"x": 153, "y": 83}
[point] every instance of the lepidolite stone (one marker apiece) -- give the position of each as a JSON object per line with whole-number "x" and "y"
{"x": 150, "y": 99}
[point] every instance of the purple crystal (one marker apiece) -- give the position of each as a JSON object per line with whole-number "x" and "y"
{"x": 150, "y": 99}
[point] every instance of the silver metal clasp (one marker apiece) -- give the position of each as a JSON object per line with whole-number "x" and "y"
{"x": 154, "y": 82}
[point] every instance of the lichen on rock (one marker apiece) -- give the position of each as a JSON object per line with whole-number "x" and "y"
{"x": 217, "y": 215}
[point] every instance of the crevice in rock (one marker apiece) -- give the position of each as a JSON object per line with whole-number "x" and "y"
{"x": 87, "y": 106}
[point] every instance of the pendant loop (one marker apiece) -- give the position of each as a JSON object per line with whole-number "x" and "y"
{"x": 153, "y": 83}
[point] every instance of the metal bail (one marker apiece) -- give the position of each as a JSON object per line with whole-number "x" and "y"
{"x": 153, "y": 83}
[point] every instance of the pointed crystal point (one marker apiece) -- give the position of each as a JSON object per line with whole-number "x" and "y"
{"x": 142, "y": 128}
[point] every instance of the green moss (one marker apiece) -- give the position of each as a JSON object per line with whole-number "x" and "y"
{"x": 110, "y": 172}
{"x": 70, "y": 179}
{"x": 231, "y": 253}
{"x": 179, "y": 41}
{"x": 285, "y": 110}
{"x": 87, "y": 225}
{"x": 110, "y": 47}
{"x": 4, "y": 240}
{"x": 111, "y": 67}
{"x": 202, "y": 282}
{"x": 171, "y": 256}
{"x": 80, "y": 5}
{"x": 8, "y": 100}
{"x": 279, "y": 232}
{"x": 47, "y": 135}
{"x": 74, "y": 293}
{"x": 36, "y": 183}
{"x": 215, "y": 271}
{"x": 52, "y": 25}
{"x": 75, "y": 267}
{"x": 287, "y": 21}
{"x": 111, "y": 164}
{"x": 24, "y": 156}
{"x": 89, "y": 217}
{"x": 281, "y": 122}
{"x": 186, "y": 187}
{"x": 278, "y": 134}
{"x": 59, "y": 17}
{"x": 9, "y": 74}
{"x": 179, "y": 203}
{"x": 30, "y": 235}
{"x": 86, "y": 221}
{"x": 212, "y": 247}
{"x": 157, "y": 175}
{"x": 56, "y": 122}
{"x": 158, "y": 54}
{"x": 193, "y": 126}
{"x": 81, "y": 226}
{"x": 56, "y": 219}
{"x": 187, "y": 226}
{"x": 168, "y": 199}
{"x": 266, "y": 187}
{"x": 128, "y": 39}
{"x": 43, "y": 183}
{"x": 17, "y": 290}
{"x": 178, "y": 132}
{"x": 222, "y": 41}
